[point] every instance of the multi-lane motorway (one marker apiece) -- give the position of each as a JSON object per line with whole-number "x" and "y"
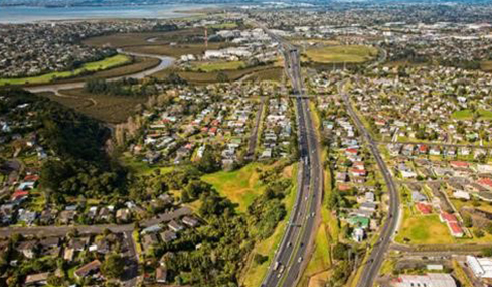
{"x": 290, "y": 258}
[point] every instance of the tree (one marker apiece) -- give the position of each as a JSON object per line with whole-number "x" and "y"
{"x": 113, "y": 266}
{"x": 478, "y": 233}
{"x": 340, "y": 251}
{"x": 467, "y": 221}
{"x": 222, "y": 77}
{"x": 487, "y": 252}
{"x": 488, "y": 227}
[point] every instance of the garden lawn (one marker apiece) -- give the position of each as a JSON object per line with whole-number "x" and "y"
{"x": 340, "y": 54}
{"x": 104, "y": 64}
{"x": 240, "y": 186}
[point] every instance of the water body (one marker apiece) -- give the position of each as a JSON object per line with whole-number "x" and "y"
{"x": 25, "y": 14}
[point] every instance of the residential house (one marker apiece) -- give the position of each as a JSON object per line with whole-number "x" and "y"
{"x": 88, "y": 269}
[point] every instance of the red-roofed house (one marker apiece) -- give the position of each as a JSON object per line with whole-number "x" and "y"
{"x": 358, "y": 165}
{"x": 455, "y": 229}
{"x": 19, "y": 194}
{"x": 459, "y": 164}
{"x": 351, "y": 151}
{"x": 423, "y": 149}
{"x": 485, "y": 182}
{"x": 448, "y": 217}
{"x": 424, "y": 208}
{"x": 31, "y": 177}
{"x": 344, "y": 187}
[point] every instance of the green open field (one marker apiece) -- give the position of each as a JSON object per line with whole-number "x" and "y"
{"x": 218, "y": 65}
{"x": 110, "y": 62}
{"x": 270, "y": 74}
{"x": 468, "y": 115}
{"x": 240, "y": 186}
{"x": 340, "y": 54}
{"x": 423, "y": 229}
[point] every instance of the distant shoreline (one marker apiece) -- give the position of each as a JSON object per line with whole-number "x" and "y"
{"x": 36, "y": 14}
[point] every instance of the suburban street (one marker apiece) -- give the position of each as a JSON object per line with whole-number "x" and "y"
{"x": 292, "y": 255}
{"x": 42, "y": 231}
{"x": 375, "y": 259}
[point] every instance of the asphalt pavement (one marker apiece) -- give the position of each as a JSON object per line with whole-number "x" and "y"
{"x": 373, "y": 264}
{"x": 292, "y": 255}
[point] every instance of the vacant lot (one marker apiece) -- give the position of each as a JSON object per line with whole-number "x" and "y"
{"x": 340, "y": 54}
{"x": 110, "y": 109}
{"x": 110, "y": 62}
{"x": 240, "y": 186}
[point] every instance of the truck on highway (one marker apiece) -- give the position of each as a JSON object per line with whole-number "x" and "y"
{"x": 275, "y": 267}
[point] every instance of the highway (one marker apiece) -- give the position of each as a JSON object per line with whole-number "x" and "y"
{"x": 293, "y": 253}
{"x": 373, "y": 264}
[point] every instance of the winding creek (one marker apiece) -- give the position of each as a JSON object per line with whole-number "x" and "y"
{"x": 164, "y": 63}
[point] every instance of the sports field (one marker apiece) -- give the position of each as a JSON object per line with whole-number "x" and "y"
{"x": 340, "y": 54}
{"x": 104, "y": 64}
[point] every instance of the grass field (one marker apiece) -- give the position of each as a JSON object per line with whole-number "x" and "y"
{"x": 468, "y": 115}
{"x": 240, "y": 186}
{"x": 217, "y": 66}
{"x": 340, "y": 54}
{"x": 486, "y": 65}
{"x": 423, "y": 229}
{"x": 104, "y": 64}
{"x": 270, "y": 74}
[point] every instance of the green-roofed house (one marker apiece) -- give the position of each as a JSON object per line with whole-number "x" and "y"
{"x": 359, "y": 221}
